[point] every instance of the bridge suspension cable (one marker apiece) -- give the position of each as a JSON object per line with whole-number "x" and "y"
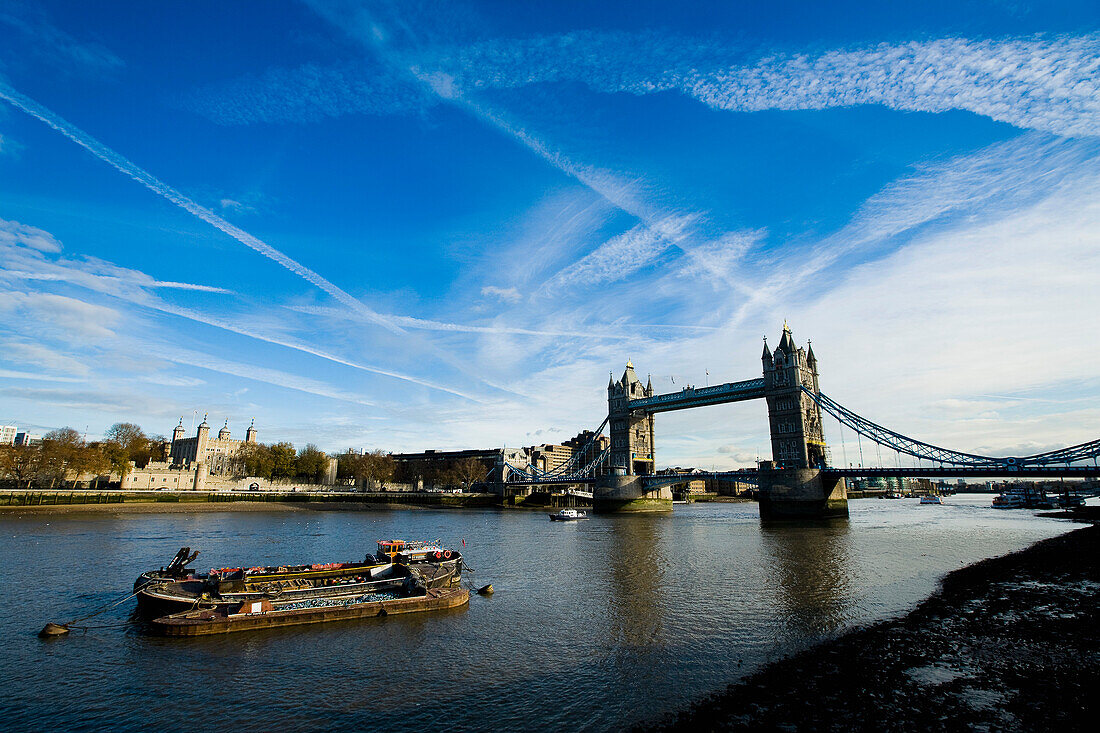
{"x": 927, "y": 451}
{"x": 572, "y": 468}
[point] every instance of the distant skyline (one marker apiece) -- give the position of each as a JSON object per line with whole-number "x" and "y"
{"x": 411, "y": 225}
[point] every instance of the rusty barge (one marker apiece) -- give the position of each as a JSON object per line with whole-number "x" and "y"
{"x": 264, "y": 615}
{"x": 176, "y": 588}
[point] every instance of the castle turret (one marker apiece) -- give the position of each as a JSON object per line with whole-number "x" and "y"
{"x": 250, "y": 434}
{"x": 177, "y": 434}
{"x": 202, "y": 437}
{"x": 223, "y": 434}
{"x": 766, "y": 357}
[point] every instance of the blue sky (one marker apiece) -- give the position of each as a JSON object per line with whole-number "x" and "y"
{"x": 409, "y": 225}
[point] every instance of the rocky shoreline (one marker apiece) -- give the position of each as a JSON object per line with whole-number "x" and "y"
{"x": 1010, "y": 643}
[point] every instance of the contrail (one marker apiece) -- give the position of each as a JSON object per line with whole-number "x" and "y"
{"x": 123, "y": 165}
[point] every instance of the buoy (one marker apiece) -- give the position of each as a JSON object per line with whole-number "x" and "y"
{"x": 52, "y": 629}
{"x": 485, "y": 590}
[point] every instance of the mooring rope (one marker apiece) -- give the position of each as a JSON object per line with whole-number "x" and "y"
{"x": 52, "y": 629}
{"x": 109, "y": 606}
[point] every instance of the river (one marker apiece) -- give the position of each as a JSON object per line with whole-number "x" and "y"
{"x": 597, "y": 624}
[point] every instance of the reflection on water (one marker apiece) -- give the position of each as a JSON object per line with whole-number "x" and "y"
{"x": 636, "y": 572}
{"x": 812, "y": 572}
{"x": 597, "y": 624}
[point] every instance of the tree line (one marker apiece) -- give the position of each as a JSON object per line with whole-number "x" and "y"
{"x": 63, "y": 456}
{"x": 281, "y": 462}
{"x": 454, "y": 472}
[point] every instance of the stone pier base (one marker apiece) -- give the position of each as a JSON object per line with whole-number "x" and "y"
{"x": 627, "y": 494}
{"x": 801, "y": 493}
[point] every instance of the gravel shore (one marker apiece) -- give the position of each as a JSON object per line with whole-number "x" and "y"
{"x": 1011, "y": 643}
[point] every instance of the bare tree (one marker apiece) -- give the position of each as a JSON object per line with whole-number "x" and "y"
{"x": 20, "y": 463}
{"x": 96, "y": 461}
{"x": 61, "y": 454}
{"x": 382, "y": 466}
{"x": 469, "y": 471}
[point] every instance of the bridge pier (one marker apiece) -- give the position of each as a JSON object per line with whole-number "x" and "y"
{"x": 629, "y": 494}
{"x": 801, "y": 493}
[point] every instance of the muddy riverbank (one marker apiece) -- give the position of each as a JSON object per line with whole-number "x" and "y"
{"x": 1010, "y": 643}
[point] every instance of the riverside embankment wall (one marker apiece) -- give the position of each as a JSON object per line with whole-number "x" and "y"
{"x": 117, "y": 497}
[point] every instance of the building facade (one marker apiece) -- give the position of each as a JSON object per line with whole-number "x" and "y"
{"x": 216, "y": 454}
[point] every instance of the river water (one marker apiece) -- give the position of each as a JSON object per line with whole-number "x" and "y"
{"x": 597, "y": 624}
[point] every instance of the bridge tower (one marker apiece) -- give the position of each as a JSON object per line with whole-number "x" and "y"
{"x": 631, "y": 434}
{"x": 795, "y": 419}
{"x": 792, "y": 485}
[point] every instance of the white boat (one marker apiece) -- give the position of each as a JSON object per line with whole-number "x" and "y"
{"x": 568, "y": 515}
{"x": 1023, "y": 497}
{"x": 1009, "y": 501}
{"x": 930, "y": 499}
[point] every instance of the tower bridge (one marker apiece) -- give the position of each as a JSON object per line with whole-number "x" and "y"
{"x": 798, "y": 481}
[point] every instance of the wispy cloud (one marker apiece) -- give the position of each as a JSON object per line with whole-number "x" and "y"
{"x": 47, "y": 43}
{"x": 983, "y": 186}
{"x": 109, "y": 402}
{"x": 8, "y": 146}
{"x": 188, "y": 286}
{"x": 508, "y": 295}
{"x": 19, "y": 351}
{"x": 1046, "y": 83}
{"x": 253, "y": 372}
{"x": 124, "y": 166}
{"x": 12, "y": 233}
{"x": 81, "y": 320}
{"x": 305, "y": 94}
{"x": 37, "y": 376}
{"x": 32, "y": 262}
{"x": 603, "y": 331}
{"x": 622, "y": 255}
{"x": 1049, "y": 83}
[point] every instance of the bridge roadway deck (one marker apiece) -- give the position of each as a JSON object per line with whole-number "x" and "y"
{"x": 750, "y": 389}
{"x": 1052, "y": 472}
{"x": 552, "y": 481}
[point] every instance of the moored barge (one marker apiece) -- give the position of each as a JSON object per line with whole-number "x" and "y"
{"x": 266, "y": 615}
{"x": 175, "y": 589}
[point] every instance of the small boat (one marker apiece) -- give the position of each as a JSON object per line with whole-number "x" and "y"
{"x": 1069, "y": 501}
{"x": 930, "y": 499}
{"x": 568, "y": 515}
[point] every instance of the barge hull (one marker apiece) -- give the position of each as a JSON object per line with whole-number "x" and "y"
{"x": 200, "y": 623}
